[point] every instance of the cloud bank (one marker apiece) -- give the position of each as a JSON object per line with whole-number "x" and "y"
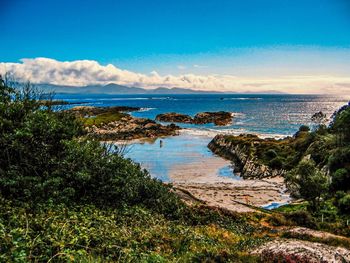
{"x": 87, "y": 72}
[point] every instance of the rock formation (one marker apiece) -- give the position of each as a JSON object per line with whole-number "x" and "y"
{"x": 128, "y": 128}
{"x": 301, "y": 251}
{"x": 112, "y": 123}
{"x": 245, "y": 163}
{"x": 219, "y": 118}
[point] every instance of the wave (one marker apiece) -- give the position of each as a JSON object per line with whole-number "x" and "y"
{"x": 145, "y": 109}
{"x": 139, "y": 98}
{"x": 242, "y": 98}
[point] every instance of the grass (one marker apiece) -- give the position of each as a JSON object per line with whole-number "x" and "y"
{"x": 103, "y": 118}
{"x": 292, "y": 207}
{"x": 134, "y": 234}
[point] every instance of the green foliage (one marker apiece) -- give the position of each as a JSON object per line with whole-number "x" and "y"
{"x": 340, "y": 158}
{"x": 301, "y": 218}
{"x": 308, "y": 182}
{"x": 86, "y": 233}
{"x": 293, "y": 218}
{"x": 341, "y": 124}
{"x": 103, "y": 118}
{"x": 277, "y": 162}
{"x": 270, "y": 154}
{"x": 304, "y": 128}
{"x": 342, "y": 201}
{"x": 341, "y": 180}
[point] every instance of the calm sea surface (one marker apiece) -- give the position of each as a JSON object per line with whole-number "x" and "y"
{"x": 266, "y": 115}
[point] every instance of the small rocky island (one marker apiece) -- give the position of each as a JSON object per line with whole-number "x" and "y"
{"x": 114, "y": 123}
{"x": 220, "y": 118}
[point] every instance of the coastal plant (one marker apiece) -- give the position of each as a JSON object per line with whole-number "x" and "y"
{"x": 309, "y": 183}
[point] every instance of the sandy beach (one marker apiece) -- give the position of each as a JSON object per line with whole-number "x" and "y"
{"x": 237, "y": 196}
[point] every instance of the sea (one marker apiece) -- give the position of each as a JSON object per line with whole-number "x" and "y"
{"x": 186, "y": 157}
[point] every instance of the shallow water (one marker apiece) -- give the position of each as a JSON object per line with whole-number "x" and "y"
{"x": 180, "y": 158}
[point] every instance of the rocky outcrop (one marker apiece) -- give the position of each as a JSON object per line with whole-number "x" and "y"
{"x": 174, "y": 117}
{"x": 301, "y": 251}
{"x": 128, "y": 128}
{"x": 219, "y": 118}
{"x": 82, "y": 111}
{"x": 244, "y": 163}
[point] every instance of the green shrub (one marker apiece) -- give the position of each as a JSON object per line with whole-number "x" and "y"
{"x": 340, "y": 158}
{"x": 103, "y": 118}
{"x": 301, "y": 218}
{"x": 341, "y": 180}
{"x": 304, "y": 128}
{"x": 307, "y": 182}
{"x": 270, "y": 154}
{"x": 277, "y": 163}
{"x": 343, "y": 203}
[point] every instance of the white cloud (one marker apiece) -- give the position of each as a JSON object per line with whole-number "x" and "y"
{"x": 86, "y": 72}
{"x": 181, "y": 67}
{"x": 199, "y": 66}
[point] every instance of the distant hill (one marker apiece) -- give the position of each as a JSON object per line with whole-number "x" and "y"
{"x": 117, "y": 89}
{"x": 120, "y": 89}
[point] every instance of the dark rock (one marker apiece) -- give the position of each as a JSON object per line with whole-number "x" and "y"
{"x": 82, "y": 111}
{"x": 174, "y": 117}
{"x": 218, "y": 118}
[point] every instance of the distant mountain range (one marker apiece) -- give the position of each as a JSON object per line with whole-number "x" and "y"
{"x": 120, "y": 89}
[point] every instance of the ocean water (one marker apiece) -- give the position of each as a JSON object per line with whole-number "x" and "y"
{"x": 265, "y": 115}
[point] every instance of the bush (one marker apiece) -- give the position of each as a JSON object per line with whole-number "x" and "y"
{"x": 307, "y": 182}
{"x": 304, "y": 128}
{"x": 277, "y": 163}
{"x": 341, "y": 180}
{"x": 343, "y": 202}
{"x": 340, "y": 158}
{"x": 301, "y": 218}
{"x": 340, "y": 124}
{"x": 270, "y": 154}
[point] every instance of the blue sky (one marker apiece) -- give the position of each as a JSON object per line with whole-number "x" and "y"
{"x": 262, "y": 37}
